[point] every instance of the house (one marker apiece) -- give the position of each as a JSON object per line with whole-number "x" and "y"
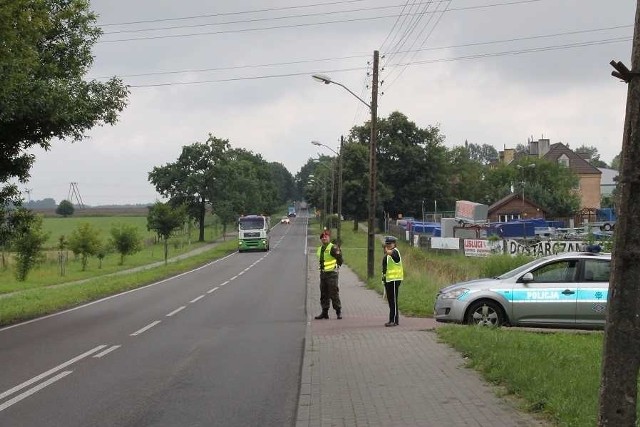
{"x": 589, "y": 175}
{"x": 514, "y": 207}
{"x": 589, "y": 187}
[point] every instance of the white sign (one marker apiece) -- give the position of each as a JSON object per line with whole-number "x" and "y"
{"x": 544, "y": 248}
{"x": 452, "y": 243}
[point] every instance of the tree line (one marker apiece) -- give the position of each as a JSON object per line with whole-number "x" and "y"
{"x": 415, "y": 168}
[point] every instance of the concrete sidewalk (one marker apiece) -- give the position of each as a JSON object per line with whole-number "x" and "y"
{"x": 357, "y": 372}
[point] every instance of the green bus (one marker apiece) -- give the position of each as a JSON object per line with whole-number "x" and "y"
{"x": 253, "y": 233}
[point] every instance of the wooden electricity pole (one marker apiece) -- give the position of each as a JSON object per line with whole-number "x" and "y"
{"x": 621, "y": 352}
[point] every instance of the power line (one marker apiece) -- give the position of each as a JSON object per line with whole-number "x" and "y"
{"x": 358, "y": 56}
{"x": 276, "y": 27}
{"x": 244, "y": 21}
{"x": 431, "y": 61}
{"x": 213, "y": 15}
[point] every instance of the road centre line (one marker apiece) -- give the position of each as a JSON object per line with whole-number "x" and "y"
{"x": 212, "y": 290}
{"x": 149, "y": 326}
{"x": 233, "y": 278}
{"x": 224, "y": 283}
{"x": 50, "y": 371}
{"x": 107, "y": 351}
{"x": 176, "y": 310}
{"x": 196, "y": 299}
{"x": 33, "y": 390}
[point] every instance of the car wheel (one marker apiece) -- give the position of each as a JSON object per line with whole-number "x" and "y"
{"x": 607, "y": 227}
{"x": 485, "y": 313}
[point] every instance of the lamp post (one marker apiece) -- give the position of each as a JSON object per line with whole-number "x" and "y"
{"x": 339, "y": 207}
{"x": 373, "y": 107}
{"x": 522, "y": 215}
{"x": 332, "y": 172}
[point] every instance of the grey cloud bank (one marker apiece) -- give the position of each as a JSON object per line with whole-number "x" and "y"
{"x": 459, "y": 78}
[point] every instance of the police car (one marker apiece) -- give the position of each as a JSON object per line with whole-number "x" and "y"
{"x": 563, "y": 290}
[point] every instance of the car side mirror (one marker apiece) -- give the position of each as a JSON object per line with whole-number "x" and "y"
{"x": 528, "y": 277}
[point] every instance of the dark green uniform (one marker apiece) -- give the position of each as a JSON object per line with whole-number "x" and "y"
{"x": 330, "y": 259}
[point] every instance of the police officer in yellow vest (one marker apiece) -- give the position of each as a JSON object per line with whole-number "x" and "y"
{"x": 392, "y": 275}
{"x": 330, "y": 258}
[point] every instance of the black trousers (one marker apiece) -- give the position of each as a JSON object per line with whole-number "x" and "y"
{"x": 391, "y": 288}
{"x": 329, "y": 291}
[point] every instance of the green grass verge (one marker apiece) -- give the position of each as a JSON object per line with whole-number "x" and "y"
{"x": 31, "y": 303}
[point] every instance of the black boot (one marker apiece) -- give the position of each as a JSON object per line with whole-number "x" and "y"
{"x": 338, "y": 314}
{"x": 323, "y": 315}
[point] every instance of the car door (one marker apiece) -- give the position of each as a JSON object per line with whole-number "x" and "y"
{"x": 550, "y": 298}
{"x": 593, "y": 291}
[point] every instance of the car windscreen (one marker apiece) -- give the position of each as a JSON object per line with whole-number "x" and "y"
{"x": 519, "y": 270}
{"x": 252, "y": 224}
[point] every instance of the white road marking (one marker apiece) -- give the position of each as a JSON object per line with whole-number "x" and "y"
{"x": 212, "y": 290}
{"x": 233, "y": 278}
{"x": 116, "y": 295}
{"x": 50, "y": 371}
{"x": 224, "y": 283}
{"x": 196, "y": 299}
{"x": 33, "y": 390}
{"x": 149, "y": 326}
{"x": 176, "y": 311}
{"x": 107, "y": 351}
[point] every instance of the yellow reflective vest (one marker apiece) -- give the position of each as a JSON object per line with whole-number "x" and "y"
{"x": 394, "y": 269}
{"x": 330, "y": 262}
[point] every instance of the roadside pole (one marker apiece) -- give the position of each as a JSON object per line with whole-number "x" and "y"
{"x": 620, "y": 358}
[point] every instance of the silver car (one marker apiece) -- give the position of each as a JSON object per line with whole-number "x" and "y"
{"x": 565, "y": 290}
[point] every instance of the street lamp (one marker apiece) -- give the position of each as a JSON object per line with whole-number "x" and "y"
{"x": 522, "y": 215}
{"x": 373, "y": 107}
{"x": 339, "y": 155}
{"x": 332, "y": 172}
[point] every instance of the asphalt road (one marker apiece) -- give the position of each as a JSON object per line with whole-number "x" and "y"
{"x": 218, "y": 346}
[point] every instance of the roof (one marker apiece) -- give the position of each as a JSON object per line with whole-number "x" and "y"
{"x": 576, "y": 163}
{"x": 498, "y": 204}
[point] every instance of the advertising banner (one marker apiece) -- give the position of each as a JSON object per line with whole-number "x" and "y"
{"x": 551, "y": 247}
{"x": 477, "y": 247}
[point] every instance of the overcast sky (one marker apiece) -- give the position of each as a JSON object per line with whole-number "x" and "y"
{"x": 495, "y": 72}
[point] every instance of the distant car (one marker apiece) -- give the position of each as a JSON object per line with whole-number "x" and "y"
{"x": 564, "y": 290}
{"x": 285, "y": 220}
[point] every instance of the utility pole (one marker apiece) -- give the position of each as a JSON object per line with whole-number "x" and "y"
{"x": 340, "y": 189}
{"x": 620, "y": 358}
{"x": 373, "y": 173}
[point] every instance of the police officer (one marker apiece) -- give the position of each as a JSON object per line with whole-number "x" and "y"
{"x": 330, "y": 258}
{"x": 392, "y": 275}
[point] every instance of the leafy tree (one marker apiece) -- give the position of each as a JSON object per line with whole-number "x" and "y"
{"x": 126, "y": 241}
{"x": 283, "y": 182}
{"x": 466, "y": 175}
{"x": 484, "y": 154}
{"x": 165, "y": 220}
{"x": 65, "y": 208}
{"x": 411, "y": 163}
{"x": 548, "y": 184}
{"x": 244, "y": 185}
{"x": 190, "y": 180}
{"x": 44, "y": 56}
{"x": 28, "y": 239}
{"x": 355, "y": 181}
{"x": 615, "y": 163}
{"x": 85, "y": 241}
{"x": 590, "y": 154}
